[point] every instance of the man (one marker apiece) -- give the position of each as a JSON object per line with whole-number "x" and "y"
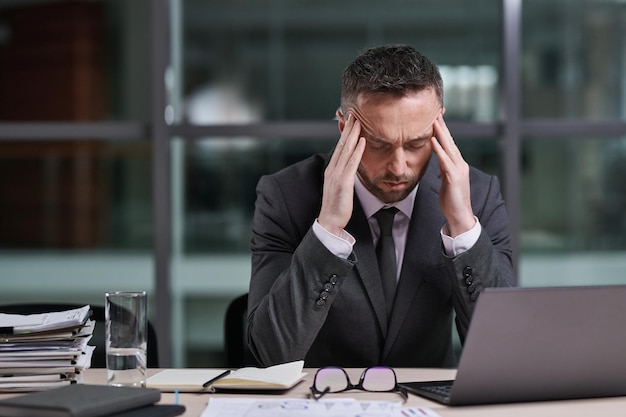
{"x": 316, "y": 291}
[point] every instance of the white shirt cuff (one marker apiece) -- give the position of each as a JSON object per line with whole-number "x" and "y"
{"x": 339, "y": 245}
{"x": 463, "y": 242}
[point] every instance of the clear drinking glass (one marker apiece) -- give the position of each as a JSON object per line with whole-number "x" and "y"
{"x": 126, "y": 338}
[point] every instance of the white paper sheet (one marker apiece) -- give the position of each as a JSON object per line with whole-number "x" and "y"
{"x": 294, "y": 407}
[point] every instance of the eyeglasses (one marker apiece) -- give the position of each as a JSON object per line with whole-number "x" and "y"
{"x": 332, "y": 379}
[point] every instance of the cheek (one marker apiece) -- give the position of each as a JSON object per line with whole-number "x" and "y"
{"x": 417, "y": 160}
{"x": 370, "y": 160}
{"x": 372, "y": 166}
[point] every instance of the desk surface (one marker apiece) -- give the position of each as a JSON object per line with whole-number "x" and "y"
{"x": 606, "y": 407}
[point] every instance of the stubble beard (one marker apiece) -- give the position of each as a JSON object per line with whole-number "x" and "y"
{"x": 390, "y": 197}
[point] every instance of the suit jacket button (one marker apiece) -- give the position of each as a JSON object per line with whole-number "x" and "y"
{"x": 474, "y": 295}
{"x": 471, "y": 288}
{"x": 328, "y": 286}
{"x": 467, "y": 272}
{"x": 320, "y": 303}
{"x": 333, "y": 279}
{"x": 324, "y": 295}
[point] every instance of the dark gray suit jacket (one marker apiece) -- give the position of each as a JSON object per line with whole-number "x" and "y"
{"x": 306, "y": 303}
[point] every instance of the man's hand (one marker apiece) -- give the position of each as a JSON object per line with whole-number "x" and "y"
{"x": 337, "y": 199}
{"x": 454, "y": 196}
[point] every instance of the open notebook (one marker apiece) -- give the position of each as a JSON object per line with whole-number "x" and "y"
{"x": 532, "y": 344}
{"x": 277, "y": 377}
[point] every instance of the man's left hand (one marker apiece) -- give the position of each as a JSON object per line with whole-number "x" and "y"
{"x": 454, "y": 195}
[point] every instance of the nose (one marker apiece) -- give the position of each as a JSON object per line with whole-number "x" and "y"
{"x": 397, "y": 163}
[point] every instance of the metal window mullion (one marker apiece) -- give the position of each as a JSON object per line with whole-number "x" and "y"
{"x": 511, "y": 117}
{"x": 161, "y": 187}
{"x": 307, "y": 129}
{"x": 51, "y": 131}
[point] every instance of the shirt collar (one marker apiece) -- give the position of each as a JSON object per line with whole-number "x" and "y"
{"x": 372, "y": 204}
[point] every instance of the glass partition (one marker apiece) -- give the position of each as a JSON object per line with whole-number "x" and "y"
{"x": 574, "y": 199}
{"x": 81, "y": 61}
{"x": 282, "y": 60}
{"x": 573, "y": 59}
{"x": 75, "y": 195}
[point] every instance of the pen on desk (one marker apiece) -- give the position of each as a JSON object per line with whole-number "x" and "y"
{"x": 212, "y": 380}
{"x": 176, "y": 396}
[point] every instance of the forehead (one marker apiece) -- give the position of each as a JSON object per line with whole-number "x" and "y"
{"x": 389, "y": 117}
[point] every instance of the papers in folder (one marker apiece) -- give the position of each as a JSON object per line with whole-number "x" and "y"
{"x": 19, "y": 323}
{"x": 43, "y": 351}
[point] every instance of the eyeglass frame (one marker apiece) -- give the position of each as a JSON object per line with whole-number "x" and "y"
{"x": 317, "y": 394}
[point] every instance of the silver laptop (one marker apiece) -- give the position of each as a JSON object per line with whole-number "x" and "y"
{"x": 535, "y": 344}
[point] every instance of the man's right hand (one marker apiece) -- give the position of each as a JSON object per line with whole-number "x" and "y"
{"x": 337, "y": 199}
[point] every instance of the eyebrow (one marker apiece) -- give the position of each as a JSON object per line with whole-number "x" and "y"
{"x": 420, "y": 138}
{"x": 378, "y": 140}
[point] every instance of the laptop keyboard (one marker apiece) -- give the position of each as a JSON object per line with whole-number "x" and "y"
{"x": 440, "y": 390}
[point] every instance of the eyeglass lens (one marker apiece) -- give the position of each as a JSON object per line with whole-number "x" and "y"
{"x": 378, "y": 379}
{"x": 331, "y": 380}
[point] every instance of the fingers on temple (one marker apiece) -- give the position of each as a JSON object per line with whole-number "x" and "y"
{"x": 444, "y": 145}
{"x": 347, "y": 145}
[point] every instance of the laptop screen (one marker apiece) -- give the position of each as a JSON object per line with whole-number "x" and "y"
{"x": 530, "y": 344}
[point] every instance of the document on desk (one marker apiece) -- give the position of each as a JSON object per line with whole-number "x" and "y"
{"x": 296, "y": 407}
{"x": 14, "y": 324}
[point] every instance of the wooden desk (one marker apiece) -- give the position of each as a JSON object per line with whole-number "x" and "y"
{"x": 605, "y": 407}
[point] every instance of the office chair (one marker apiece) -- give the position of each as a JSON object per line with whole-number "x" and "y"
{"x": 98, "y": 359}
{"x": 236, "y": 348}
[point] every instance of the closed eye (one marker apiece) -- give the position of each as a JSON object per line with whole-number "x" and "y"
{"x": 377, "y": 144}
{"x": 417, "y": 143}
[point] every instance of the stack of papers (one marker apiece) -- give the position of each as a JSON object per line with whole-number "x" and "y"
{"x": 43, "y": 351}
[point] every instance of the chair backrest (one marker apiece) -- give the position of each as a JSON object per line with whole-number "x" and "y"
{"x": 98, "y": 360}
{"x": 236, "y": 348}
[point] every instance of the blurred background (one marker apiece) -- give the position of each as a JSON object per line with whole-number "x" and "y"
{"x": 133, "y": 133}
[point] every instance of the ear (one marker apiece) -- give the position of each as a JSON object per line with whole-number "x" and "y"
{"x": 341, "y": 122}
{"x": 443, "y": 111}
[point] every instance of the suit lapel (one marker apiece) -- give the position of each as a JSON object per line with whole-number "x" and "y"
{"x": 423, "y": 239}
{"x": 366, "y": 265}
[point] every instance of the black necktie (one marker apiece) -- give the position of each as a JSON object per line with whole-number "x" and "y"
{"x": 386, "y": 254}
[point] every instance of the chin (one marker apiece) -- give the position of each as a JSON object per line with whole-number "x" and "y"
{"x": 391, "y": 197}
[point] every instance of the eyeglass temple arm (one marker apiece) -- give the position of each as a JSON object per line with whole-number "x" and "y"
{"x": 403, "y": 392}
{"x": 319, "y": 394}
